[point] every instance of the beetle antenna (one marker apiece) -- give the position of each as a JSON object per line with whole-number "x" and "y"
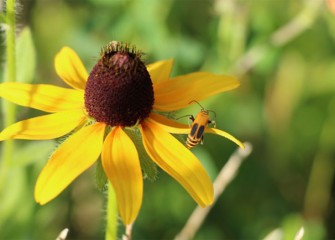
{"x": 212, "y": 112}
{"x": 188, "y": 115}
{"x": 193, "y": 101}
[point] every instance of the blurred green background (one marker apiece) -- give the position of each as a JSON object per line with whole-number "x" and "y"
{"x": 283, "y": 53}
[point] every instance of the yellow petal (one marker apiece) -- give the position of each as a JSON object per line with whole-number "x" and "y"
{"x": 175, "y": 159}
{"x": 44, "y": 127}
{"x": 47, "y": 98}
{"x": 73, "y": 157}
{"x": 122, "y": 166}
{"x": 178, "y": 92}
{"x": 169, "y": 125}
{"x": 70, "y": 68}
{"x": 160, "y": 71}
{"x": 224, "y": 134}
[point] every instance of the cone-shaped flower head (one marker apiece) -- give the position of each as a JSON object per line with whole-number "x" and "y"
{"x": 119, "y": 90}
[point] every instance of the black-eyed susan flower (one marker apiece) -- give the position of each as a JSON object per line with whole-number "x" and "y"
{"x": 119, "y": 93}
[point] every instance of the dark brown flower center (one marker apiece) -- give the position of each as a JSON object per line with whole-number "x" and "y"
{"x": 119, "y": 89}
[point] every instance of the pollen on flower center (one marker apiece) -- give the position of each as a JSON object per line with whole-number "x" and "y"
{"x": 119, "y": 89}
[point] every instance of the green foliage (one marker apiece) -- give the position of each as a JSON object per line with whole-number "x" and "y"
{"x": 17, "y": 204}
{"x": 24, "y": 157}
{"x": 25, "y": 57}
{"x": 100, "y": 177}
{"x": 2, "y": 18}
{"x": 149, "y": 168}
{"x": 293, "y": 223}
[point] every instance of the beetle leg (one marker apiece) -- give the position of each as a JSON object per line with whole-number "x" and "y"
{"x": 192, "y": 119}
{"x": 212, "y": 122}
{"x": 202, "y": 140}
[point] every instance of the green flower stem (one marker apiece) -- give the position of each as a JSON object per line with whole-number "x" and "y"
{"x": 10, "y": 41}
{"x": 112, "y": 214}
{"x": 10, "y": 76}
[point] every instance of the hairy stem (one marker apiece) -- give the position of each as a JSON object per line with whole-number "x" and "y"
{"x": 112, "y": 214}
{"x": 10, "y": 76}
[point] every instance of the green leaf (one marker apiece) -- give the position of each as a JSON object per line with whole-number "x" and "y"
{"x": 100, "y": 177}
{"x": 313, "y": 229}
{"x": 32, "y": 152}
{"x": 149, "y": 168}
{"x": 105, "y": 3}
{"x": 2, "y": 18}
{"x": 25, "y": 57}
{"x": 12, "y": 193}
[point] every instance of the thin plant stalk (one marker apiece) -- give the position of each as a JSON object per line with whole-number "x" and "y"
{"x": 112, "y": 214}
{"x": 10, "y": 76}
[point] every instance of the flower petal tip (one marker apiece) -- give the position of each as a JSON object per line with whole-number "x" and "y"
{"x": 240, "y": 144}
{"x": 207, "y": 202}
{"x": 204, "y": 205}
{"x": 210, "y": 197}
{"x": 70, "y": 68}
{"x": 4, "y": 135}
{"x": 39, "y": 200}
{"x": 226, "y": 135}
